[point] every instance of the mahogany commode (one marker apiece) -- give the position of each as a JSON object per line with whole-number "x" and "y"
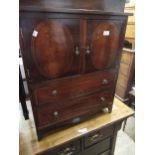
{"x": 71, "y": 58}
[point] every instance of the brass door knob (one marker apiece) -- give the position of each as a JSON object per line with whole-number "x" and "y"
{"x": 77, "y": 52}
{"x": 88, "y": 50}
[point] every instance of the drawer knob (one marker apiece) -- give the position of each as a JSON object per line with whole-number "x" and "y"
{"x": 55, "y": 113}
{"x": 104, "y": 81}
{"x": 54, "y": 92}
{"x": 77, "y": 52}
{"x": 102, "y": 99}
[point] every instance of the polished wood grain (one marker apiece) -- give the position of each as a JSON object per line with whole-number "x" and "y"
{"x": 79, "y": 62}
{"x": 72, "y": 109}
{"x": 29, "y": 144}
{"x": 83, "y": 36}
{"x": 74, "y": 87}
{"x": 53, "y": 48}
{"x": 104, "y": 48}
{"x": 38, "y": 52}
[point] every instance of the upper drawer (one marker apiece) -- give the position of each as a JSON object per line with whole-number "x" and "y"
{"x": 72, "y": 87}
{"x": 97, "y": 136}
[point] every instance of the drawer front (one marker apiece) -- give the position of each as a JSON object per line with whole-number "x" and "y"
{"x": 70, "y": 88}
{"x": 98, "y": 148}
{"x": 97, "y": 136}
{"x": 72, "y": 109}
{"x": 70, "y": 148}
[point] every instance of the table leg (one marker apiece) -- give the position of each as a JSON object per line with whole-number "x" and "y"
{"x": 22, "y": 97}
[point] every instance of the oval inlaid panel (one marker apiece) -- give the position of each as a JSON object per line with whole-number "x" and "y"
{"x": 105, "y": 40}
{"x": 52, "y": 48}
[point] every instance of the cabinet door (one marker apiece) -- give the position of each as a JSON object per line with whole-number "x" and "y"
{"x": 53, "y": 48}
{"x": 103, "y": 42}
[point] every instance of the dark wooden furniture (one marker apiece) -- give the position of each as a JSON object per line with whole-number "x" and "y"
{"x": 71, "y": 58}
{"x": 93, "y": 137}
{"x": 126, "y": 75}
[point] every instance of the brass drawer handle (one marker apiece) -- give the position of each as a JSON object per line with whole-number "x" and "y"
{"x": 55, "y": 113}
{"x": 54, "y": 92}
{"x": 67, "y": 151}
{"x": 94, "y": 137}
{"x": 105, "y": 81}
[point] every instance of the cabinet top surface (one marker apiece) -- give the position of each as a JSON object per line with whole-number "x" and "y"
{"x": 28, "y": 138}
{"x": 114, "y": 7}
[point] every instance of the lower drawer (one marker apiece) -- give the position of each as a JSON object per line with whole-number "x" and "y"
{"x": 72, "y": 109}
{"x": 75, "y": 148}
{"x": 97, "y": 136}
{"x": 71, "y": 148}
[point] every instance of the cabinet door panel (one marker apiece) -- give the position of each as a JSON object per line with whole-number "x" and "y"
{"x": 51, "y": 44}
{"x": 103, "y": 42}
{"x": 52, "y": 48}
